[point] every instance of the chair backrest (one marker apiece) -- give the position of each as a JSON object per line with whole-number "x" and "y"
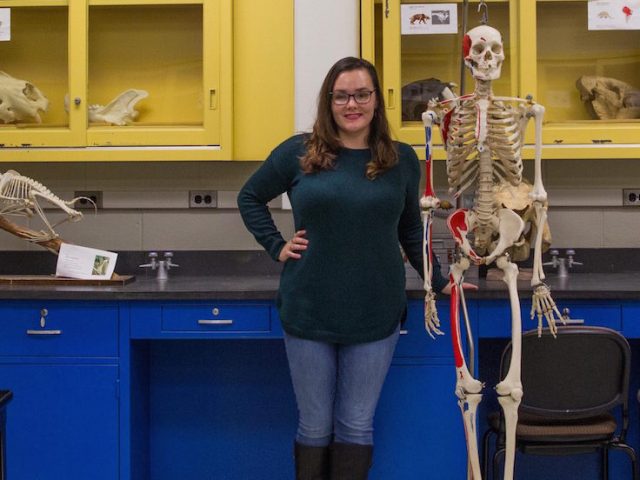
{"x": 582, "y": 372}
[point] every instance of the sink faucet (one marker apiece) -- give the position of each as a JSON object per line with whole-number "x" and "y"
{"x": 562, "y": 264}
{"x": 163, "y": 266}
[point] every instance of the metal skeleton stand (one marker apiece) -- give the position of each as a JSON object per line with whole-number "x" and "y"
{"x": 483, "y": 136}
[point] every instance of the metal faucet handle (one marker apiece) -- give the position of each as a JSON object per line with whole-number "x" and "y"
{"x": 154, "y": 261}
{"x": 570, "y": 253}
{"x": 168, "y": 262}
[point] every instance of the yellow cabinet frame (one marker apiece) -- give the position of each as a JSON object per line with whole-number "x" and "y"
{"x": 381, "y": 43}
{"x": 208, "y": 139}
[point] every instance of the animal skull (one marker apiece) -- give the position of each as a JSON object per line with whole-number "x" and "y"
{"x": 20, "y": 101}
{"x": 483, "y": 52}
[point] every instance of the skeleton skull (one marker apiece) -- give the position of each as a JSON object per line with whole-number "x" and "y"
{"x": 483, "y": 52}
{"x": 20, "y": 101}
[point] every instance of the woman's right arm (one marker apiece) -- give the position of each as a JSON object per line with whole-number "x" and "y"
{"x": 272, "y": 179}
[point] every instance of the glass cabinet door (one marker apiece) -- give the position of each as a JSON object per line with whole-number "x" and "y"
{"x": 587, "y": 78}
{"x": 159, "y": 60}
{"x": 37, "y": 80}
{"x": 409, "y": 62}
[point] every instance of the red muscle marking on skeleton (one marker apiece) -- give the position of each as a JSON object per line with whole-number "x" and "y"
{"x": 466, "y": 46}
{"x": 428, "y": 191}
{"x": 455, "y": 324}
{"x": 457, "y": 224}
{"x": 446, "y": 121}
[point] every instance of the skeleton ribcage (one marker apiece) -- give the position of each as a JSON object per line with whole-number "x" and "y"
{"x": 16, "y": 190}
{"x": 503, "y": 141}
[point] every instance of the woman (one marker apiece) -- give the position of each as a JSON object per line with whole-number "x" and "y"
{"x": 354, "y": 196}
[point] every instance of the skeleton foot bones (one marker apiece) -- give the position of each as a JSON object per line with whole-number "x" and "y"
{"x": 483, "y": 135}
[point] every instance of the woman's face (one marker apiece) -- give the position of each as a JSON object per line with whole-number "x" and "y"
{"x": 353, "y": 119}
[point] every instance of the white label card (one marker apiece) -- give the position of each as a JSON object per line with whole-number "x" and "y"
{"x": 428, "y": 18}
{"x": 85, "y": 263}
{"x": 5, "y": 24}
{"x": 614, "y": 14}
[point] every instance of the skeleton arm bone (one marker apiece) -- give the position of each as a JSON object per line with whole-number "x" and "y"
{"x": 428, "y": 203}
{"x": 542, "y": 304}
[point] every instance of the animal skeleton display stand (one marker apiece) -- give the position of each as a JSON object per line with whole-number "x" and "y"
{"x": 483, "y": 135}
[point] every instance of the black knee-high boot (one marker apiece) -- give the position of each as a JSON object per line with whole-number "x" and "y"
{"x": 350, "y": 461}
{"x": 312, "y": 463}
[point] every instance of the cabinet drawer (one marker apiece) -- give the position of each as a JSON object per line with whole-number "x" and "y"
{"x": 52, "y": 329}
{"x": 495, "y": 316}
{"x": 216, "y": 318}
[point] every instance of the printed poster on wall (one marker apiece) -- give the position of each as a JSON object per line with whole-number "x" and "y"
{"x": 428, "y": 18}
{"x": 614, "y": 14}
{"x": 5, "y": 24}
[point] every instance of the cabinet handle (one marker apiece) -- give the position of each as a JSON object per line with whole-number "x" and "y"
{"x": 213, "y": 99}
{"x": 215, "y": 322}
{"x": 404, "y": 332}
{"x": 573, "y": 321}
{"x": 44, "y": 332}
{"x": 390, "y": 98}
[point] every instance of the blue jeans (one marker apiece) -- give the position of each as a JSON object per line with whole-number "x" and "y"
{"x": 337, "y": 388}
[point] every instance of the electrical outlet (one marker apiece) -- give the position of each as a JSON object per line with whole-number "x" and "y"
{"x": 631, "y": 197}
{"x": 203, "y": 199}
{"x": 94, "y": 195}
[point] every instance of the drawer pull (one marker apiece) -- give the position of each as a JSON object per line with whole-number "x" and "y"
{"x": 44, "y": 332}
{"x": 215, "y": 322}
{"x": 573, "y": 321}
{"x": 404, "y": 332}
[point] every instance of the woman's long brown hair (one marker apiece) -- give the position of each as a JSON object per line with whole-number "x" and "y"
{"x": 324, "y": 142}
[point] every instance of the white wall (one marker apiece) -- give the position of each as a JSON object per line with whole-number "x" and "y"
{"x": 318, "y": 45}
{"x": 146, "y": 204}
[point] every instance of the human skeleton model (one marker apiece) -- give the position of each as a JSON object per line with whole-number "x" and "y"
{"x": 483, "y": 135}
{"x": 22, "y": 196}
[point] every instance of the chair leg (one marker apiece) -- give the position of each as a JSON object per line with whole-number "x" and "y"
{"x": 496, "y": 459}
{"x": 605, "y": 463}
{"x": 632, "y": 457}
{"x": 485, "y": 454}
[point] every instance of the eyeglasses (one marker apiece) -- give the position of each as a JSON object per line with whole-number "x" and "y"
{"x": 342, "y": 98}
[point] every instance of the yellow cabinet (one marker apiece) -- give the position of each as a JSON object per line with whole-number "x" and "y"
{"x": 83, "y": 53}
{"x": 567, "y": 52}
{"x": 548, "y": 48}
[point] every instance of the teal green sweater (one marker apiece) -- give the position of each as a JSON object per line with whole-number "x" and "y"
{"x": 349, "y": 285}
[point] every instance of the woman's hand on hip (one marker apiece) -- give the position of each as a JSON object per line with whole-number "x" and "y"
{"x": 297, "y": 244}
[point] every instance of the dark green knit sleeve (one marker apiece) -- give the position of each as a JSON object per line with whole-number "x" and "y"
{"x": 273, "y": 178}
{"x": 410, "y": 229}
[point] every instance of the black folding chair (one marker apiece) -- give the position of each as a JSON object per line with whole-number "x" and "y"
{"x": 573, "y": 385}
{"x": 5, "y": 397}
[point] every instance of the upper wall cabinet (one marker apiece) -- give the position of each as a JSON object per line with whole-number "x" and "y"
{"x": 123, "y": 80}
{"x": 584, "y": 78}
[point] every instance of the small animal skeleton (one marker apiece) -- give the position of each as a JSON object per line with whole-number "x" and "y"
{"x": 20, "y": 100}
{"x": 119, "y": 111}
{"x": 483, "y": 135}
{"x": 608, "y": 98}
{"x": 22, "y": 196}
